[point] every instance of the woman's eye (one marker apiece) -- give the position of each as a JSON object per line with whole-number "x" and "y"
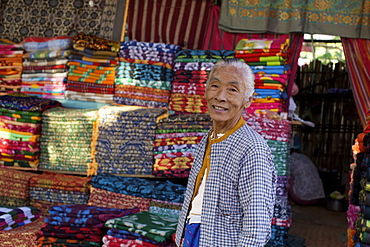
{"x": 214, "y": 85}
{"x": 233, "y": 90}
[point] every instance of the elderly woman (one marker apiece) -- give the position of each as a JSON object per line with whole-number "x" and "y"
{"x": 230, "y": 194}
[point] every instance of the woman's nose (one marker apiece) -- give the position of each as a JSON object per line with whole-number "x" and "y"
{"x": 221, "y": 94}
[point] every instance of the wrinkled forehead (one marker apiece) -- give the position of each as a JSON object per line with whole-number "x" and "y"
{"x": 231, "y": 73}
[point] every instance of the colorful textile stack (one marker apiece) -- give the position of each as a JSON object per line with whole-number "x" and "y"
{"x": 105, "y": 198}
{"x": 78, "y": 225}
{"x": 45, "y": 66}
{"x": 175, "y": 142}
{"x": 165, "y": 209}
{"x": 124, "y": 140}
{"x": 13, "y": 217}
{"x": 190, "y": 75}
{"x": 277, "y": 134}
{"x": 268, "y": 58}
{"x": 92, "y": 69}
{"x": 23, "y": 236}
{"x": 359, "y": 193}
{"x": 162, "y": 190}
{"x": 144, "y": 74}
{"x": 50, "y": 189}
{"x": 140, "y": 229}
{"x": 20, "y": 128}
{"x": 10, "y": 66}
{"x": 66, "y": 139}
{"x": 15, "y": 187}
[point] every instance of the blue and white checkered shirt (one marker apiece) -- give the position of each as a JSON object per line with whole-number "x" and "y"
{"x": 240, "y": 192}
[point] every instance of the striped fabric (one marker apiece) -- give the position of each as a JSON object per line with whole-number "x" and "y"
{"x": 179, "y": 22}
{"x": 358, "y": 63}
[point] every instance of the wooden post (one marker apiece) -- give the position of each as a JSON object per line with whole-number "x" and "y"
{"x": 125, "y": 16}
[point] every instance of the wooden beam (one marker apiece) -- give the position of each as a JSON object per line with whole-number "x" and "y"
{"x": 125, "y": 16}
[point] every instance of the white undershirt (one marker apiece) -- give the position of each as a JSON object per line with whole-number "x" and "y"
{"x": 196, "y": 205}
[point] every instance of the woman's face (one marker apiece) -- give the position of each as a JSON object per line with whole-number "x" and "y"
{"x": 226, "y": 97}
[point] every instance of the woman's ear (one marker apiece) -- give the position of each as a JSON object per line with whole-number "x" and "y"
{"x": 248, "y": 102}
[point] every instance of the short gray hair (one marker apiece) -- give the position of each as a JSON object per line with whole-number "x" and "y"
{"x": 242, "y": 67}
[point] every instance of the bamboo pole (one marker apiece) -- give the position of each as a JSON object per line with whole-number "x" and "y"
{"x": 125, "y": 16}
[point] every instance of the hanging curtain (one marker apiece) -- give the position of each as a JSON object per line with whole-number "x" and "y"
{"x": 179, "y": 22}
{"x": 341, "y": 18}
{"x": 217, "y": 39}
{"x": 357, "y": 56}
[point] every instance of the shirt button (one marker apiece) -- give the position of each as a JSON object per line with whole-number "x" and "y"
{"x": 208, "y": 156}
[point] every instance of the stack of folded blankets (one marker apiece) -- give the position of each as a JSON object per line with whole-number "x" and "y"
{"x": 354, "y": 212}
{"x": 144, "y": 74}
{"x": 15, "y": 187}
{"x": 125, "y": 136}
{"x": 10, "y": 66}
{"x": 78, "y": 225}
{"x": 163, "y": 198}
{"x": 362, "y": 225}
{"x": 13, "y": 217}
{"x": 23, "y": 236}
{"x": 269, "y": 60}
{"x": 176, "y": 139}
{"x": 45, "y": 66}
{"x": 277, "y": 134}
{"x": 50, "y": 189}
{"x": 106, "y": 198}
{"x": 191, "y": 71}
{"x": 165, "y": 209}
{"x": 20, "y": 129}
{"x": 92, "y": 69}
{"x": 66, "y": 139}
{"x": 140, "y": 229}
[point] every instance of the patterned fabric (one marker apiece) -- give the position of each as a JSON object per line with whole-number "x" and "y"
{"x": 20, "y": 118}
{"x": 57, "y": 181}
{"x": 81, "y": 224}
{"x": 71, "y": 19}
{"x": 66, "y": 130}
{"x": 22, "y": 236}
{"x": 237, "y": 17}
{"x": 49, "y": 188}
{"x": 23, "y": 102}
{"x": 13, "y": 217}
{"x": 165, "y": 209}
{"x": 279, "y": 234}
{"x": 14, "y": 201}
{"x": 54, "y": 195}
{"x": 54, "y": 66}
{"x": 131, "y": 239}
{"x": 10, "y": 66}
{"x": 140, "y": 187}
{"x": 144, "y": 64}
{"x": 147, "y": 224}
{"x": 52, "y": 241}
{"x": 14, "y": 187}
{"x": 176, "y": 139}
{"x": 106, "y": 198}
{"x": 91, "y": 76}
{"x": 122, "y": 148}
